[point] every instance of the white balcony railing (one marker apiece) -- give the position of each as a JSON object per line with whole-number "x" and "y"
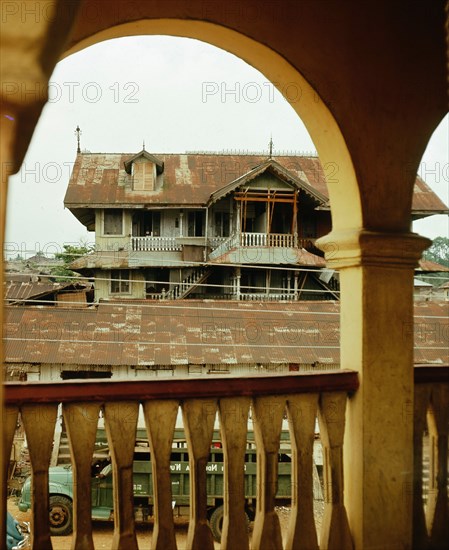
{"x": 264, "y": 297}
{"x": 155, "y": 244}
{"x": 274, "y": 240}
{"x": 278, "y": 240}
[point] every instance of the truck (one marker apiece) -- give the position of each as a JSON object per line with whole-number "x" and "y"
{"x": 61, "y": 488}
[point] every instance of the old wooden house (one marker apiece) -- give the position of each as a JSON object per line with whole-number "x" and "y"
{"x": 220, "y": 226}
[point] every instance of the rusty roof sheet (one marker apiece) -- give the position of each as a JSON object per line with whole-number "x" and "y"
{"x": 16, "y": 291}
{"x": 195, "y": 332}
{"x": 428, "y": 265}
{"x": 100, "y": 180}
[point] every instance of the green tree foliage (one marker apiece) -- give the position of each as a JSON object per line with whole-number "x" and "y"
{"x": 438, "y": 251}
{"x": 70, "y": 254}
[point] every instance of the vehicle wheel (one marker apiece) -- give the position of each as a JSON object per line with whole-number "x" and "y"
{"x": 60, "y": 515}
{"x": 216, "y": 522}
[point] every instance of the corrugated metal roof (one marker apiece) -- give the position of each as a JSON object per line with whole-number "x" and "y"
{"x": 100, "y": 179}
{"x": 428, "y": 265}
{"x": 18, "y": 291}
{"x": 194, "y": 332}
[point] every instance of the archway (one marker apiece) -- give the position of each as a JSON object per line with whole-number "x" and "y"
{"x": 379, "y": 263}
{"x": 328, "y": 139}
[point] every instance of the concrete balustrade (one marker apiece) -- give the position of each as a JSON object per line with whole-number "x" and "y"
{"x": 304, "y": 396}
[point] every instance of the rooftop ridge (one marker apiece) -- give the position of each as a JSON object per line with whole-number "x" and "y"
{"x": 280, "y": 153}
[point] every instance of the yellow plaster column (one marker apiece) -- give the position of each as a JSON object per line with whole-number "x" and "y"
{"x": 376, "y": 278}
{"x": 7, "y": 133}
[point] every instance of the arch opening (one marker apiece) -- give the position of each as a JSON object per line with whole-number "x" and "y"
{"x": 329, "y": 141}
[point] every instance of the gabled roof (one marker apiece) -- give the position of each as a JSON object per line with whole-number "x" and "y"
{"x": 279, "y": 171}
{"x": 99, "y": 180}
{"x": 146, "y": 155}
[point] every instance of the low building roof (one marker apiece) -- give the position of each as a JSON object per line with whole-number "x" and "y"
{"x": 429, "y": 266}
{"x": 21, "y": 291}
{"x": 200, "y": 332}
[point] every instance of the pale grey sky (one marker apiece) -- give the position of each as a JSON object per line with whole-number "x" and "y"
{"x": 176, "y": 94}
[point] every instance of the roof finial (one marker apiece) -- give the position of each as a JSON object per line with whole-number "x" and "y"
{"x": 143, "y": 145}
{"x": 78, "y": 133}
{"x": 271, "y": 145}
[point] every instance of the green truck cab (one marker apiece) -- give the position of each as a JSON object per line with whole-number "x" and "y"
{"x": 61, "y": 489}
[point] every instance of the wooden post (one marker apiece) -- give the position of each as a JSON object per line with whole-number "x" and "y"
{"x": 199, "y": 419}
{"x": 268, "y": 415}
{"x": 160, "y": 419}
{"x": 121, "y": 423}
{"x": 81, "y": 420}
{"x": 234, "y": 427}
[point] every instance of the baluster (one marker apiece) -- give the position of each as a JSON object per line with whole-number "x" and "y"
{"x": 39, "y": 422}
{"x": 199, "y": 418}
{"x": 121, "y": 424}
{"x": 421, "y": 403}
{"x": 234, "y": 427}
{"x": 437, "y": 503}
{"x": 268, "y": 415}
{"x": 160, "y": 420}
{"x": 81, "y": 420}
{"x": 302, "y": 410}
{"x": 335, "y": 530}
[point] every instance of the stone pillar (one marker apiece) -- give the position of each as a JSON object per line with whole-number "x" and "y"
{"x": 376, "y": 278}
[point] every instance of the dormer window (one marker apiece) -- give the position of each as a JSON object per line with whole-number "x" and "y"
{"x": 143, "y": 176}
{"x": 144, "y": 169}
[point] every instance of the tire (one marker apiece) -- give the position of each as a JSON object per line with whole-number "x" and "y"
{"x": 60, "y": 515}
{"x": 216, "y": 522}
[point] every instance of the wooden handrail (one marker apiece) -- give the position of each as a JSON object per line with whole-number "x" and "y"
{"x": 251, "y": 386}
{"x": 425, "y": 374}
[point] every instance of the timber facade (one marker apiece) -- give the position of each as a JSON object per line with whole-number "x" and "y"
{"x": 215, "y": 226}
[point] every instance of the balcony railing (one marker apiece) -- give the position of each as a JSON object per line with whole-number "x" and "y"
{"x": 430, "y": 448}
{"x": 268, "y": 297}
{"x": 278, "y": 240}
{"x": 222, "y": 245}
{"x": 302, "y": 397}
{"x": 155, "y": 244}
